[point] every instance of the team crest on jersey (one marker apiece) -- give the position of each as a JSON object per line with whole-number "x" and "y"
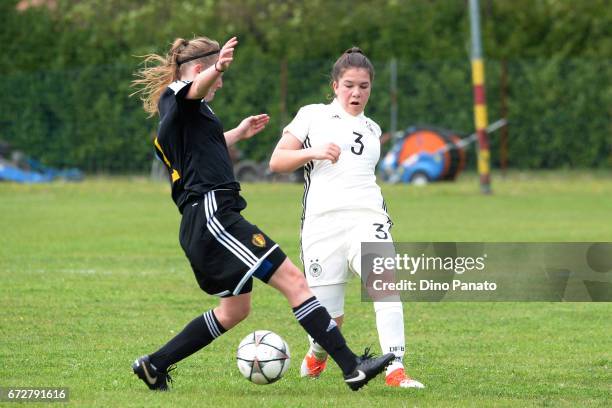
{"x": 315, "y": 270}
{"x": 370, "y": 128}
{"x": 258, "y": 240}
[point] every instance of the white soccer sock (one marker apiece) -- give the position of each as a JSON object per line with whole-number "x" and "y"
{"x": 316, "y": 349}
{"x": 390, "y": 325}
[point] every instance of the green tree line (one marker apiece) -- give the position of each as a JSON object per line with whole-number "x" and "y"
{"x": 66, "y": 68}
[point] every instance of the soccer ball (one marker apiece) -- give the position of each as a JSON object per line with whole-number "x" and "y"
{"x": 263, "y": 357}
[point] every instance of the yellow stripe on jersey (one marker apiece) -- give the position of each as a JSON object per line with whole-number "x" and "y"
{"x": 175, "y": 174}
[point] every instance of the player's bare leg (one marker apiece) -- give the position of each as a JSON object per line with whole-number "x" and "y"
{"x": 232, "y": 310}
{"x": 290, "y": 281}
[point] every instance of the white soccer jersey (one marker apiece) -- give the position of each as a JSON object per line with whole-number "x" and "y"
{"x": 350, "y": 183}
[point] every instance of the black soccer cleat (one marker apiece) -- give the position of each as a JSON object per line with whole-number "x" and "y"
{"x": 154, "y": 378}
{"x": 367, "y": 368}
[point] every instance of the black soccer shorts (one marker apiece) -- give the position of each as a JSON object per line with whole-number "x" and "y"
{"x": 224, "y": 249}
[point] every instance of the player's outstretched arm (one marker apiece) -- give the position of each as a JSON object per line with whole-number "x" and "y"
{"x": 248, "y": 128}
{"x": 289, "y": 154}
{"x": 206, "y": 78}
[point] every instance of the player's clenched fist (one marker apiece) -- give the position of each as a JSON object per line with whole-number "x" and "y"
{"x": 328, "y": 151}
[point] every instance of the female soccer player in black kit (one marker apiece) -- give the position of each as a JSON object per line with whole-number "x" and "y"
{"x": 224, "y": 249}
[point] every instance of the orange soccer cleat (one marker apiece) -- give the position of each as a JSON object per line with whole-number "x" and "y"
{"x": 311, "y": 367}
{"x": 398, "y": 378}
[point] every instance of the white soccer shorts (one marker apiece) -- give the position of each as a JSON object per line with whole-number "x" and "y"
{"x": 331, "y": 243}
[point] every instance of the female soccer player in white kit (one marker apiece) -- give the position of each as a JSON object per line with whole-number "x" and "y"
{"x": 339, "y": 148}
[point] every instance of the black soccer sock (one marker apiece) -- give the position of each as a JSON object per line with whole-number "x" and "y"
{"x": 323, "y": 329}
{"x": 200, "y": 332}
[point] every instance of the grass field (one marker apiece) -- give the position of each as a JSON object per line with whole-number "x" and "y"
{"x": 93, "y": 276}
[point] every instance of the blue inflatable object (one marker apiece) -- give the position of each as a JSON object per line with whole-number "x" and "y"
{"x": 12, "y": 173}
{"x": 37, "y": 173}
{"x": 68, "y": 174}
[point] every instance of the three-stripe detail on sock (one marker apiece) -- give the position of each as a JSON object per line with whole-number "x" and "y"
{"x": 211, "y": 324}
{"x": 306, "y": 308}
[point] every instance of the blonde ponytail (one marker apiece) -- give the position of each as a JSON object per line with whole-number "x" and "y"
{"x": 159, "y": 72}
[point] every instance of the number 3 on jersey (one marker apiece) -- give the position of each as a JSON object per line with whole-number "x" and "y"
{"x": 380, "y": 232}
{"x": 357, "y": 150}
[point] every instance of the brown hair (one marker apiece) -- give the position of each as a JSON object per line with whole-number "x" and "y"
{"x": 352, "y": 58}
{"x": 153, "y": 80}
